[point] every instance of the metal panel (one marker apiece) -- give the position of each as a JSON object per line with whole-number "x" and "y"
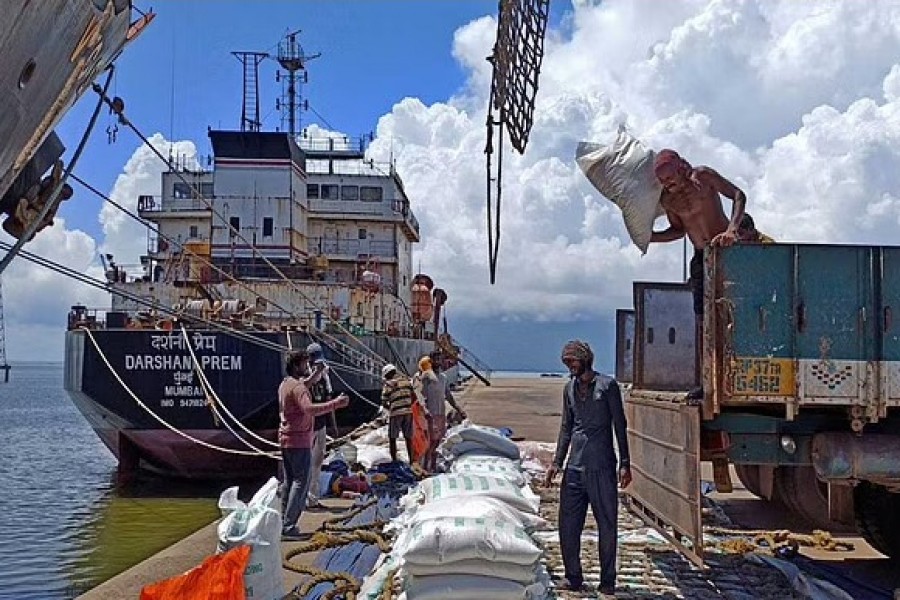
{"x": 889, "y": 322}
{"x": 664, "y": 441}
{"x": 835, "y": 341}
{"x": 625, "y": 345}
{"x": 665, "y": 328}
{"x": 755, "y": 301}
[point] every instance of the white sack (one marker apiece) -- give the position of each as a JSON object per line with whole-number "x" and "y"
{"x": 451, "y": 485}
{"x": 497, "y": 468}
{"x": 523, "y": 574}
{"x": 470, "y": 587}
{"x": 623, "y": 172}
{"x": 474, "y": 507}
{"x": 447, "y": 540}
{"x": 257, "y": 523}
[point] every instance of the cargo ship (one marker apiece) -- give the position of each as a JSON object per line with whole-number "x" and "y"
{"x": 276, "y": 241}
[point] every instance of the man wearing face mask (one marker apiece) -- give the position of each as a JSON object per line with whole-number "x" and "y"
{"x": 592, "y": 410}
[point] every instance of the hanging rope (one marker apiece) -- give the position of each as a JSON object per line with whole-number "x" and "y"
{"x": 162, "y": 421}
{"x": 516, "y": 63}
{"x": 216, "y": 402}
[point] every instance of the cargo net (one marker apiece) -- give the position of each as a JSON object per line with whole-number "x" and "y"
{"x": 516, "y": 61}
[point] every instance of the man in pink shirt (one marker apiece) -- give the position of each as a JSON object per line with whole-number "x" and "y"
{"x": 296, "y": 433}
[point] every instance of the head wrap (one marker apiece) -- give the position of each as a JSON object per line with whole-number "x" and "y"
{"x": 425, "y": 364}
{"x": 578, "y": 350}
{"x": 667, "y": 159}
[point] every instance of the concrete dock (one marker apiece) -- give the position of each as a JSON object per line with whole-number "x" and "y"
{"x": 531, "y": 408}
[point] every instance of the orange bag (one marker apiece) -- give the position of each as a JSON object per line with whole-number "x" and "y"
{"x": 220, "y": 577}
{"x": 421, "y": 441}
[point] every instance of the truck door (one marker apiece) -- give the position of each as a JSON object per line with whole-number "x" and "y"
{"x": 834, "y": 323}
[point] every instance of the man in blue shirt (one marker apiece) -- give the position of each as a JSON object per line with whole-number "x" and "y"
{"x": 592, "y": 409}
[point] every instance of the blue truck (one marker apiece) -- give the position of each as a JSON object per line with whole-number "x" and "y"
{"x": 798, "y": 355}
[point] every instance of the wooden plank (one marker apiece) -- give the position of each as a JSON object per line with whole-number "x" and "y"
{"x": 664, "y": 441}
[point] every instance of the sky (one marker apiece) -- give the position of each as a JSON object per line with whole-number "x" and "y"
{"x": 796, "y": 103}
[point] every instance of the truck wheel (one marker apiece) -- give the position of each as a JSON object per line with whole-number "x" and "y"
{"x": 749, "y": 476}
{"x": 804, "y": 495}
{"x": 878, "y": 517}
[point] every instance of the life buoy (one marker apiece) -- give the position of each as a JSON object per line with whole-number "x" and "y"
{"x": 335, "y": 312}
{"x": 166, "y": 325}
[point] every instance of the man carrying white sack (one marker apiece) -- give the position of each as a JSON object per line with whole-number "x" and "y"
{"x": 691, "y": 199}
{"x": 592, "y": 408}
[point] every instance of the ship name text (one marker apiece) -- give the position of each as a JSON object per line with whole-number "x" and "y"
{"x": 175, "y": 362}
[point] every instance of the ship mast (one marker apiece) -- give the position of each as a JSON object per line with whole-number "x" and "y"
{"x": 293, "y": 60}
{"x": 250, "y": 104}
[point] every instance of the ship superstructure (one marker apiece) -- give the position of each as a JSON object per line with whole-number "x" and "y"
{"x": 314, "y": 232}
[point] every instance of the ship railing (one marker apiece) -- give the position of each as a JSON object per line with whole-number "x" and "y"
{"x": 371, "y": 248}
{"x": 351, "y": 167}
{"x": 148, "y": 203}
{"x": 333, "y": 144}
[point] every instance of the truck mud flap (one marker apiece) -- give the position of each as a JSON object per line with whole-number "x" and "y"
{"x": 664, "y": 441}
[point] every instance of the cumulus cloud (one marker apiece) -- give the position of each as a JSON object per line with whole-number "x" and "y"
{"x": 124, "y": 237}
{"x": 36, "y": 300}
{"x": 798, "y": 103}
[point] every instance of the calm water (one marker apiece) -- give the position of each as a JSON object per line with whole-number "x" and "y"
{"x": 65, "y": 526}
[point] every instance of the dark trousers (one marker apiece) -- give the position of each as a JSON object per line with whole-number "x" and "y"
{"x": 294, "y": 486}
{"x": 599, "y": 489}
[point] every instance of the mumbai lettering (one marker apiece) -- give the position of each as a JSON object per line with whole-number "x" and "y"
{"x": 175, "y": 362}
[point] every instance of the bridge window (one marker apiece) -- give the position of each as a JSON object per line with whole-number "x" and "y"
{"x": 368, "y": 193}
{"x": 331, "y": 192}
{"x": 312, "y": 191}
{"x": 349, "y": 193}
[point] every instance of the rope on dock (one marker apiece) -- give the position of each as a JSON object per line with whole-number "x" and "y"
{"x": 344, "y": 583}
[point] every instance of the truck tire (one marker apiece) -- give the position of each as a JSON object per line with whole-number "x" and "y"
{"x": 878, "y": 518}
{"x": 749, "y": 476}
{"x": 803, "y": 494}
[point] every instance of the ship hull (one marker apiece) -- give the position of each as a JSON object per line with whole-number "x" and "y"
{"x": 53, "y": 50}
{"x": 149, "y": 406}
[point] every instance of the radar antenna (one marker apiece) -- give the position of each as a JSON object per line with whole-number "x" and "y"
{"x": 293, "y": 60}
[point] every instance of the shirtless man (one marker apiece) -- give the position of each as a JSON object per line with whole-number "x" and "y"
{"x": 691, "y": 200}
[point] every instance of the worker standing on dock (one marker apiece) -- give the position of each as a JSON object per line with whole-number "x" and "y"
{"x": 592, "y": 409}
{"x": 295, "y": 434}
{"x": 321, "y": 391}
{"x": 398, "y": 396}
{"x": 436, "y": 391}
